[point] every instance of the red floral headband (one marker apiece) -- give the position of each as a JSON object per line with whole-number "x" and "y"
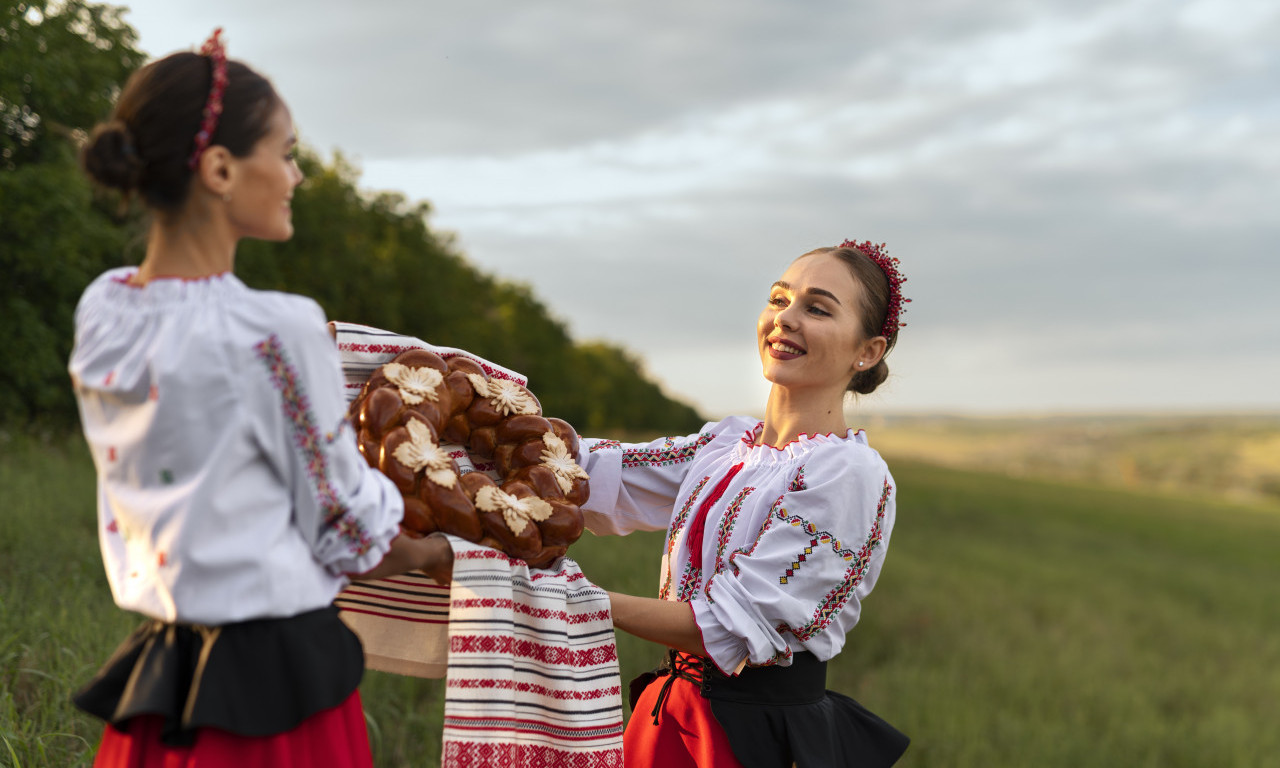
{"x": 217, "y": 53}
{"x": 889, "y": 265}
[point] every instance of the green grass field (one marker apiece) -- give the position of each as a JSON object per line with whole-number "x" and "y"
{"x": 1017, "y": 623}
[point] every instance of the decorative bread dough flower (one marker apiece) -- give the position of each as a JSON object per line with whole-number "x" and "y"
{"x": 557, "y": 458}
{"x": 421, "y": 452}
{"x": 517, "y": 513}
{"x": 416, "y": 384}
{"x": 508, "y": 397}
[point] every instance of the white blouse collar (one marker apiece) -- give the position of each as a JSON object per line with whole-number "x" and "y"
{"x": 748, "y": 450}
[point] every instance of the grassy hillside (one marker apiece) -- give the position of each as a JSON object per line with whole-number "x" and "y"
{"x": 1235, "y": 457}
{"x": 1017, "y": 622}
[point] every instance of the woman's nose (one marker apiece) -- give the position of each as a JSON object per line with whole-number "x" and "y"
{"x": 785, "y": 319}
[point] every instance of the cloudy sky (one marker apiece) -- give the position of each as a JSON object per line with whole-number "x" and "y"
{"x": 1084, "y": 195}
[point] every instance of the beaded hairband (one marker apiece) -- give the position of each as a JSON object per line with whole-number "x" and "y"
{"x": 217, "y": 53}
{"x": 888, "y": 265}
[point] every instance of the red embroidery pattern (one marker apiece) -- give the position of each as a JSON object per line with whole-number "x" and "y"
{"x": 667, "y": 454}
{"x": 484, "y": 755}
{"x": 724, "y": 532}
{"x": 395, "y": 349}
{"x": 308, "y": 440}
{"x": 835, "y": 600}
{"x": 493, "y": 554}
{"x": 534, "y": 688}
{"x": 538, "y": 613}
{"x": 690, "y": 580}
{"x": 797, "y": 483}
{"x": 527, "y": 649}
{"x": 677, "y": 523}
{"x": 604, "y": 445}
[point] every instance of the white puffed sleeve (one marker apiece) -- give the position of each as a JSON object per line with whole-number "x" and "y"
{"x": 347, "y": 512}
{"x": 800, "y": 583}
{"x": 634, "y": 486}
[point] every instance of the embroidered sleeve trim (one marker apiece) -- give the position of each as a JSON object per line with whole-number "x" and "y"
{"x": 311, "y": 444}
{"x": 667, "y": 454}
{"x": 604, "y": 445}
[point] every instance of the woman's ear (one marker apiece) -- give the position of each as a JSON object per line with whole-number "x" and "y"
{"x": 869, "y": 353}
{"x": 216, "y": 170}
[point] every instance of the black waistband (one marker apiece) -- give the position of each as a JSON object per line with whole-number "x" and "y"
{"x": 804, "y": 682}
{"x": 253, "y": 678}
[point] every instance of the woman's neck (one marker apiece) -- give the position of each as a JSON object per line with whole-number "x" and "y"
{"x": 189, "y": 246}
{"x": 790, "y": 414}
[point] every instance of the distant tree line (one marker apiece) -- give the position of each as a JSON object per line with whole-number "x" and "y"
{"x": 366, "y": 259}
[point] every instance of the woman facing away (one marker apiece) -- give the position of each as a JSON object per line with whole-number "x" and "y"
{"x": 777, "y": 530}
{"x": 232, "y": 505}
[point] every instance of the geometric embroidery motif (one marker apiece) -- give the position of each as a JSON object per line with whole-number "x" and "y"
{"x": 677, "y": 523}
{"x": 690, "y": 580}
{"x": 835, "y": 600}
{"x": 667, "y": 454}
{"x": 724, "y": 532}
{"x": 311, "y": 444}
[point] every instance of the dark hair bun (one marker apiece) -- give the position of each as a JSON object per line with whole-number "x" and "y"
{"x": 865, "y": 382}
{"x": 110, "y": 157}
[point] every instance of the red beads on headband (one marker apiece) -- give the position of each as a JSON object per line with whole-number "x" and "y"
{"x": 888, "y": 265}
{"x": 217, "y": 53}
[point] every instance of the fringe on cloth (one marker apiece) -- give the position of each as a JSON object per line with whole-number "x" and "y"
{"x": 533, "y": 674}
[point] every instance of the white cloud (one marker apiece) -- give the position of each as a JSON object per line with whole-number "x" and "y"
{"x": 1049, "y": 173}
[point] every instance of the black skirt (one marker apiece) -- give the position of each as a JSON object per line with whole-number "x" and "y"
{"x": 252, "y": 678}
{"x": 778, "y": 716}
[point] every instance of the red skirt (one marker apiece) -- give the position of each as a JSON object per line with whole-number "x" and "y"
{"x": 335, "y": 738}
{"x": 687, "y": 734}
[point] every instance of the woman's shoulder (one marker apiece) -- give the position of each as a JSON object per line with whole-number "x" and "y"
{"x": 277, "y": 309}
{"x": 847, "y": 460}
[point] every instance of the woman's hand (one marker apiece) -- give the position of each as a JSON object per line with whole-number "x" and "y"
{"x": 432, "y": 555}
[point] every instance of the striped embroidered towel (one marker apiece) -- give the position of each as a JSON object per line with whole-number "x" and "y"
{"x": 401, "y": 621}
{"x": 533, "y": 668}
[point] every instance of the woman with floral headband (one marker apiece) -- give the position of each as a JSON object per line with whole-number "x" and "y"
{"x": 777, "y": 531}
{"x": 232, "y": 507}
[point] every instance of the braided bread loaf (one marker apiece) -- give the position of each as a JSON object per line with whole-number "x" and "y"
{"x": 412, "y": 405}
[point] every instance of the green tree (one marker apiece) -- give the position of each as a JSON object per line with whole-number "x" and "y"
{"x": 367, "y": 258}
{"x": 61, "y": 65}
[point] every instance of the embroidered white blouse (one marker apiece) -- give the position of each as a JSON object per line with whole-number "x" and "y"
{"x": 792, "y": 539}
{"x": 229, "y": 486}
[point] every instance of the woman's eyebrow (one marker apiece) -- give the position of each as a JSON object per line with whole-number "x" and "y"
{"x": 784, "y": 285}
{"x": 823, "y": 292}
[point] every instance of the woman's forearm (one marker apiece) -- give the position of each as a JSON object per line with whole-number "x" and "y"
{"x": 658, "y": 621}
{"x": 431, "y": 554}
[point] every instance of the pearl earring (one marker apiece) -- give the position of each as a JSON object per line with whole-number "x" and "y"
{"x": 860, "y": 363}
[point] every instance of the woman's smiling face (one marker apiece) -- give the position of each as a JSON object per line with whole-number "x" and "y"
{"x": 808, "y": 334}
